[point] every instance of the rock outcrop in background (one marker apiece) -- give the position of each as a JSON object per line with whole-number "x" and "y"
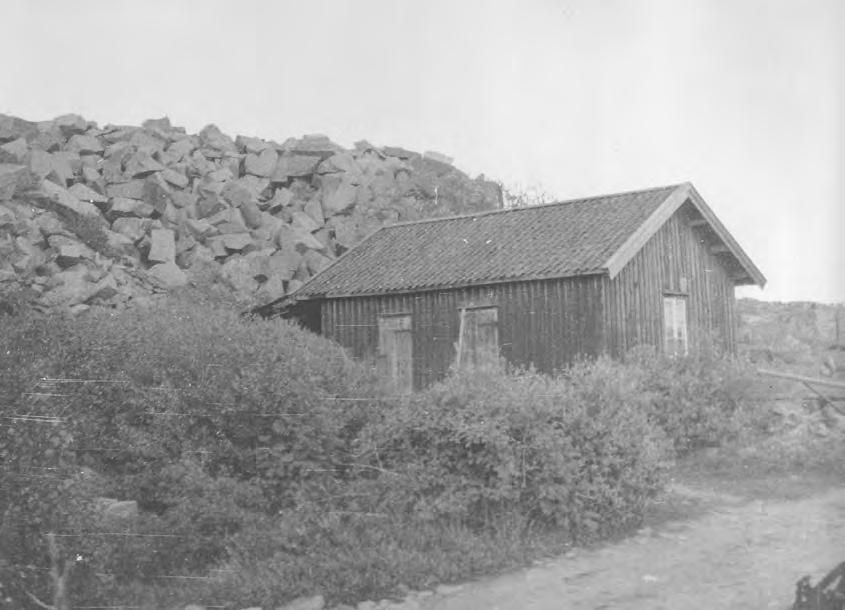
{"x": 110, "y": 216}
{"x": 803, "y": 337}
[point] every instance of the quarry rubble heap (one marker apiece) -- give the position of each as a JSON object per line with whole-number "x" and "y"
{"x": 114, "y": 215}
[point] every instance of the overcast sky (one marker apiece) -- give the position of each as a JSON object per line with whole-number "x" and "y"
{"x": 743, "y": 98}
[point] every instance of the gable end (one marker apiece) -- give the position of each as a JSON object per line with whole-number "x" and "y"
{"x": 727, "y": 246}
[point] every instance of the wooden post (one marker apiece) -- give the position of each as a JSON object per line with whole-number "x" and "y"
{"x": 804, "y": 379}
{"x": 809, "y": 381}
{"x": 60, "y": 568}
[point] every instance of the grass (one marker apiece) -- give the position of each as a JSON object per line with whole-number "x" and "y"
{"x": 802, "y": 459}
{"x": 789, "y": 465}
{"x": 395, "y": 558}
{"x": 399, "y": 557}
{"x": 405, "y": 559}
{"x": 753, "y": 475}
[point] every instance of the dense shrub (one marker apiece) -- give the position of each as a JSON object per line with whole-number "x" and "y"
{"x": 577, "y": 452}
{"x": 268, "y": 464}
{"x": 460, "y": 480}
{"x": 702, "y": 400}
{"x": 208, "y": 419}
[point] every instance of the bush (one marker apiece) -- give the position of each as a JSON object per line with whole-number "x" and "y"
{"x": 208, "y": 419}
{"x": 275, "y": 466}
{"x": 702, "y": 400}
{"x": 577, "y": 453}
{"x": 478, "y": 473}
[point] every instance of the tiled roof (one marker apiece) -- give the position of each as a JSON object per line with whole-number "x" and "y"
{"x": 570, "y": 238}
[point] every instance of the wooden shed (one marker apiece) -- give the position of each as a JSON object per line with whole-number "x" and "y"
{"x": 541, "y": 285}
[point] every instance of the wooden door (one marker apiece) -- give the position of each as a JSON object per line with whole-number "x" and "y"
{"x": 478, "y": 337}
{"x": 396, "y": 350}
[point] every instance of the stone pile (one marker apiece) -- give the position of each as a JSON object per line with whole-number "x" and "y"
{"x": 112, "y": 215}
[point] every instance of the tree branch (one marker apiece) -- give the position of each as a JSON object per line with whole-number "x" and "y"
{"x": 39, "y": 602}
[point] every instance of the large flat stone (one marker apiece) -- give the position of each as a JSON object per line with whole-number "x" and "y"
{"x": 184, "y": 199}
{"x": 61, "y": 170}
{"x": 85, "y": 144}
{"x": 200, "y": 228}
{"x": 14, "y": 151}
{"x": 134, "y": 189}
{"x": 168, "y": 274}
{"x": 182, "y": 148}
{"x": 142, "y": 164}
{"x": 284, "y": 263}
{"x": 208, "y": 206}
{"x": 237, "y": 271}
{"x": 212, "y": 137}
{"x": 290, "y": 237}
{"x": 162, "y": 246}
{"x": 11, "y": 175}
{"x": 147, "y": 141}
{"x": 251, "y": 214}
{"x": 262, "y": 164}
{"x": 342, "y": 162}
{"x": 64, "y": 199}
{"x": 237, "y": 241}
{"x": 339, "y": 198}
{"x": 177, "y": 179}
{"x": 132, "y": 228}
{"x": 294, "y": 166}
{"x": 251, "y": 145}
{"x": 157, "y": 194}
{"x": 12, "y": 128}
{"x": 303, "y": 222}
{"x": 315, "y": 261}
{"x": 71, "y": 124}
{"x": 69, "y": 251}
{"x": 281, "y": 199}
{"x": 84, "y": 193}
{"x": 39, "y": 162}
{"x": 124, "y": 206}
{"x": 315, "y": 210}
{"x": 236, "y": 194}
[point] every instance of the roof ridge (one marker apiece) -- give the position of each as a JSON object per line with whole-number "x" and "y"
{"x": 528, "y": 207}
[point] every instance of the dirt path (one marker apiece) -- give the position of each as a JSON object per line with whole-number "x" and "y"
{"x": 739, "y": 554}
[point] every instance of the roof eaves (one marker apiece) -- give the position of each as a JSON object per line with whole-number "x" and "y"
{"x": 456, "y": 285}
{"x": 652, "y": 224}
{"x": 754, "y": 274}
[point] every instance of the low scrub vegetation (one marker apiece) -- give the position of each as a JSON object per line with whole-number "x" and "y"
{"x": 267, "y": 464}
{"x": 703, "y": 400}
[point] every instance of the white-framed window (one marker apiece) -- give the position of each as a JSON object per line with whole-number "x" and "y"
{"x": 478, "y": 336}
{"x": 675, "y": 340}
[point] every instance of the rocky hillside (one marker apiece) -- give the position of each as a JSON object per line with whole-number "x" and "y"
{"x": 112, "y": 215}
{"x": 798, "y": 335}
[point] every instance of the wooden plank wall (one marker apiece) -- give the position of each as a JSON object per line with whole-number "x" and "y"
{"x": 634, "y": 312}
{"x": 545, "y": 323}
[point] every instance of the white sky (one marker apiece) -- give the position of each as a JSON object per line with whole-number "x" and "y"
{"x": 582, "y": 97}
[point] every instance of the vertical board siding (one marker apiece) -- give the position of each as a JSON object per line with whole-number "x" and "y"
{"x": 548, "y": 324}
{"x": 634, "y": 299}
{"x": 551, "y": 323}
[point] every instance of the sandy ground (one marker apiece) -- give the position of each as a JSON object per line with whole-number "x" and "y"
{"x": 737, "y": 554}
